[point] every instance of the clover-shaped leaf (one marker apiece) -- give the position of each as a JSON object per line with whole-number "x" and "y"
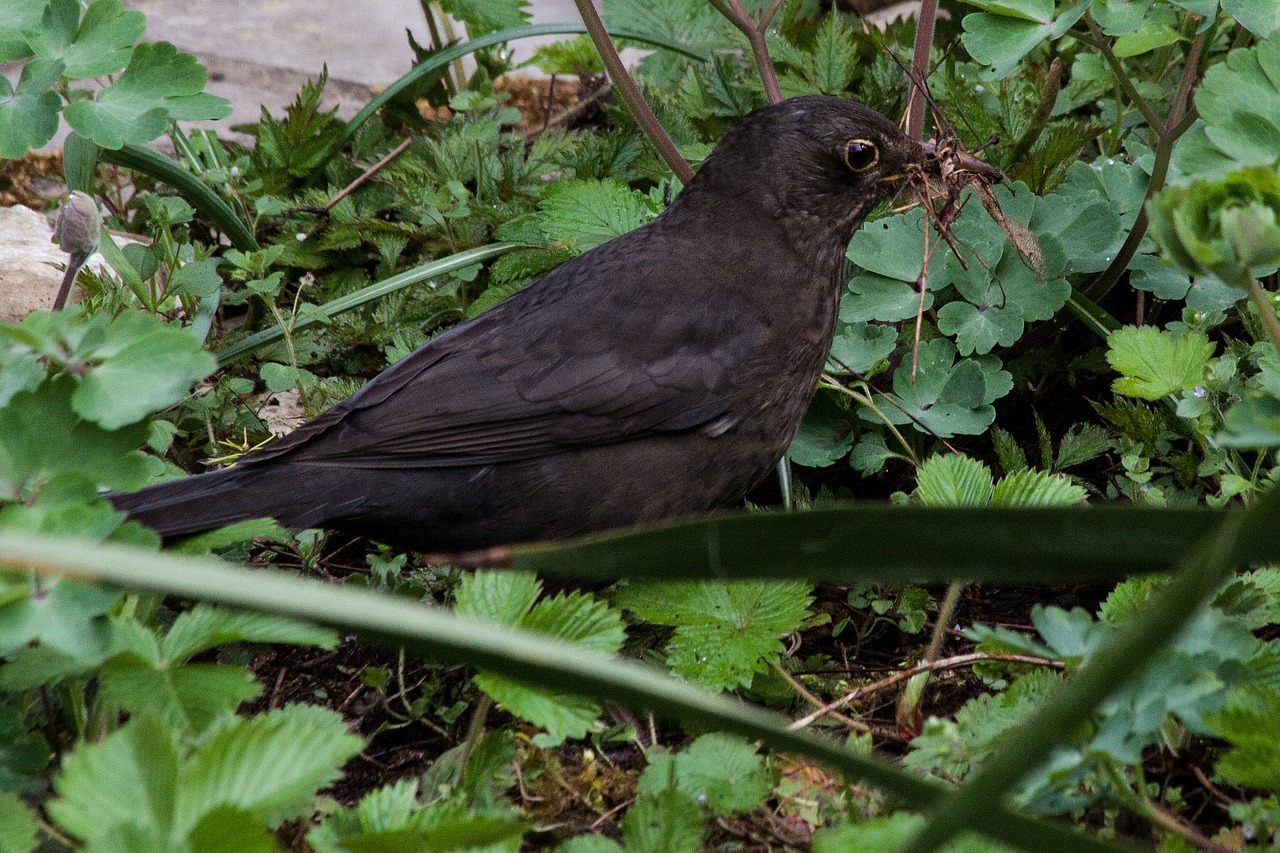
{"x": 1239, "y": 102}
{"x": 99, "y": 44}
{"x": 945, "y": 397}
{"x": 160, "y": 84}
{"x": 19, "y": 19}
{"x": 1010, "y": 29}
{"x": 29, "y": 114}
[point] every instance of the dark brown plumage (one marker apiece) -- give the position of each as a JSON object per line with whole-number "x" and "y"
{"x": 661, "y": 374}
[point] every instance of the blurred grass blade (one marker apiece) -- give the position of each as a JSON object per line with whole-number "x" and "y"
{"x": 1087, "y": 311}
{"x": 367, "y": 294}
{"x": 190, "y": 187}
{"x": 442, "y": 58}
{"x": 79, "y": 160}
{"x": 527, "y": 657}
{"x": 1124, "y": 657}
{"x": 889, "y": 543}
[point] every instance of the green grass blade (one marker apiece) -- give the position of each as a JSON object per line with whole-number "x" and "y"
{"x": 524, "y": 656}
{"x": 1123, "y": 658}
{"x": 442, "y": 58}
{"x": 368, "y": 294}
{"x": 1087, "y": 311}
{"x": 869, "y": 541}
{"x": 191, "y": 188}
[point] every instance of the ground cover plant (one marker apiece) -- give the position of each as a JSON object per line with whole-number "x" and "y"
{"x": 917, "y": 638}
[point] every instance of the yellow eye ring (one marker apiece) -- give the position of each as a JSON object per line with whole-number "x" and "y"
{"x": 860, "y": 154}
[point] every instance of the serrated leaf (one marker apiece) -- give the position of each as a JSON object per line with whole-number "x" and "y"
{"x": 158, "y": 85}
{"x": 508, "y": 598}
{"x": 64, "y": 615}
{"x": 128, "y": 779}
{"x": 204, "y": 627}
{"x": 724, "y": 632}
{"x": 1153, "y": 364}
{"x": 486, "y": 16}
{"x": 29, "y": 114}
{"x": 953, "y": 480}
{"x": 269, "y": 765}
{"x": 1239, "y": 102}
{"x": 720, "y": 771}
{"x": 585, "y": 214}
{"x": 670, "y": 822}
{"x": 1037, "y": 488}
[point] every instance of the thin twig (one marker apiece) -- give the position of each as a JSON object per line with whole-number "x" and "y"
{"x": 945, "y": 663}
{"x": 631, "y": 93}
{"x": 798, "y": 687}
{"x": 369, "y": 173}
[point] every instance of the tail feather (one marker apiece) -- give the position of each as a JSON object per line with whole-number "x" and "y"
{"x": 207, "y": 501}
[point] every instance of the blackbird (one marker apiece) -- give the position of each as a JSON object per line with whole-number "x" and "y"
{"x": 661, "y": 374}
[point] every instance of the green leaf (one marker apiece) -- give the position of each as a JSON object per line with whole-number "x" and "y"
{"x": 204, "y": 627}
{"x": 1037, "y": 488}
{"x": 725, "y": 633}
{"x": 391, "y": 819}
{"x": 160, "y": 84}
{"x": 1000, "y": 40}
{"x": 720, "y": 771}
{"x": 860, "y": 346}
{"x": 670, "y": 822}
{"x": 29, "y": 114}
{"x": 1253, "y": 422}
{"x": 1148, "y": 37}
{"x": 144, "y": 366}
{"x": 128, "y": 779}
{"x": 953, "y": 480}
{"x": 269, "y": 765}
{"x": 508, "y": 598}
{"x": 23, "y": 755}
{"x": 585, "y": 214}
{"x": 1152, "y": 364}
{"x": 20, "y": 18}
{"x": 1239, "y": 102}
{"x": 485, "y": 16}
{"x": 63, "y": 615}
{"x": 17, "y": 825}
{"x": 946, "y": 397}
{"x": 825, "y": 435}
{"x": 1260, "y": 17}
{"x": 96, "y": 46}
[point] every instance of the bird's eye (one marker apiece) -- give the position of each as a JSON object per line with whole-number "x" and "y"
{"x": 860, "y": 155}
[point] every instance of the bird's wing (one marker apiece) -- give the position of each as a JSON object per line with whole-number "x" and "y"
{"x": 540, "y": 373}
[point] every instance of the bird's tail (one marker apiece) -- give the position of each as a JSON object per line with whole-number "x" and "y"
{"x": 208, "y": 501}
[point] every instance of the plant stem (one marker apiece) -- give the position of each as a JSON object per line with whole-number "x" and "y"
{"x": 631, "y": 93}
{"x": 920, "y": 67}
{"x": 1266, "y": 311}
{"x": 1181, "y": 116}
{"x": 755, "y": 33}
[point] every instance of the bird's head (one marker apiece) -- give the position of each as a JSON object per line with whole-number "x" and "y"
{"x": 817, "y": 164}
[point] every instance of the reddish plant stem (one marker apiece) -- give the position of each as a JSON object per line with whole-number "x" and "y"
{"x": 631, "y": 93}
{"x": 755, "y": 33}
{"x": 920, "y": 67}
